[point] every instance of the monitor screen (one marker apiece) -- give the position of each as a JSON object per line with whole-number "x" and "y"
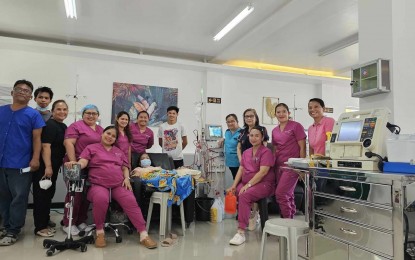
{"x": 350, "y": 131}
{"x": 215, "y": 131}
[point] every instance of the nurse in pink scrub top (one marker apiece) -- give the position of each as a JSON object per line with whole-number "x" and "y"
{"x": 77, "y": 136}
{"x": 143, "y": 137}
{"x": 124, "y": 135}
{"x": 317, "y": 131}
{"x": 288, "y": 138}
{"x": 255, "y": 180}
{"x": 109, "y": 176}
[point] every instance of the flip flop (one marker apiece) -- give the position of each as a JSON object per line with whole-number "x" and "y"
{"x": 172, "y": 236}
{"x": 167, "y": 242}
{"x": 45, "y": 234}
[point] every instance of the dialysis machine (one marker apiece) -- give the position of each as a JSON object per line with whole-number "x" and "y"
{"x": 214, "y": 153}
{"x": 213, "y": 159}
{"x": 358, "y": 140}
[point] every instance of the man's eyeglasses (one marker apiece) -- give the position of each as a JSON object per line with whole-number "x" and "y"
{"x": 91, "y": 113}
{"x": 22, "y": 90}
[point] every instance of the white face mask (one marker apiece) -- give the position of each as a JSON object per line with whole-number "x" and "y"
{"x": 42, "y": 109}
{"x": 145, "y": 163}
{"x": 45, "y": 183}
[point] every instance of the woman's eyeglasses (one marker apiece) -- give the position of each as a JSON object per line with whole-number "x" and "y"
{"x": 91, "y": 113}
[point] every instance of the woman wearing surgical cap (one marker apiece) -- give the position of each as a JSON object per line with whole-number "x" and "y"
{"x": 78, "y": 136}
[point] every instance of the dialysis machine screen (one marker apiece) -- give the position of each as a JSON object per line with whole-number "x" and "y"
{"x": 213, "y": 132}
{"x": 350, "y": 131}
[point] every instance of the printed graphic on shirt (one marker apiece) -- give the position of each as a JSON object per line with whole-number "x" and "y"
{"x": 170, "y": 139}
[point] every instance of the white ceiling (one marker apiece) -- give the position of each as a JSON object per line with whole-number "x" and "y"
{"x": 281, "y": 32}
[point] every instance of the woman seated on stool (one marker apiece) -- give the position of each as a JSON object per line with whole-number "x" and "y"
{"x": 109, "y": 170}
{"x": 255, "y": 180}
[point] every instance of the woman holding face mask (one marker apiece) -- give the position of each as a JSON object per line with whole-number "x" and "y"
{"x": 77, "y": 137}
{"x": 44, "y": 180}
{"x": 142, "y": 137}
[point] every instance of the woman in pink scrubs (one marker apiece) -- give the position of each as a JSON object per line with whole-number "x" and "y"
{"x": 143, "y": 137}
{"x": 317, "y": 131}
{"x": 255, "y": 180}
{"x": 77, "y": 136}
{"x": 124, "y": 135}
{"x": 109, "y": 176}
{"x": 288, "y": 138}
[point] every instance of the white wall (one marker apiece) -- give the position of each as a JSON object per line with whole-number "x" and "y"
{"x": 57, "y": 66}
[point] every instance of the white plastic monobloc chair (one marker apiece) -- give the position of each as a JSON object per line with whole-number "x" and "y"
{"x": 165, "y": 212}
{"x": 289, "y": 230}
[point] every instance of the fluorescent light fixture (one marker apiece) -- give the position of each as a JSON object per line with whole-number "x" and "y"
{"x": 242, "y": 15}
{"x": 279, "y": 68}
{"x": 340, "y": 45}
{"x": 70, "y": 8}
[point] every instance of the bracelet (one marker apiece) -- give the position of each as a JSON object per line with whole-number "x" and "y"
{"x": 128, "y": 177}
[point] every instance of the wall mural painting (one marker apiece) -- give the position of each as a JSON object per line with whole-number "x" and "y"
{"x": 134, "y": 98}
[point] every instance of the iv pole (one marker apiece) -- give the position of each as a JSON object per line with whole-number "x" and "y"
{"x": 75, "y": 96}
{"x": 295, "y": 108}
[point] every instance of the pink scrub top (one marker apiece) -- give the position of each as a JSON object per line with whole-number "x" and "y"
{"x": 105, "y": 167}
{"x": 317, "y": 134}
{"x": 252, "y": 164}
{"x": 286, "y": 142}
{"x": 84, "y": 135}
{"x": 123, "y": 144}
{"x": 141, "y": 141}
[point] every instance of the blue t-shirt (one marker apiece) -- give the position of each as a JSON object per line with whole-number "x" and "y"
{"x": 16, "y": 136}
{"x": 230, "y": 146}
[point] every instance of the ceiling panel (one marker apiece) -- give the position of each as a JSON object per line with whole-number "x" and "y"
{"x": 281, "y": 32}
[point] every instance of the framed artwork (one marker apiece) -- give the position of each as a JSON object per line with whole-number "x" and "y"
{"x": 268, "y": 110}
{"x": 134, "y": 98}
{"x": 5, "y": 95}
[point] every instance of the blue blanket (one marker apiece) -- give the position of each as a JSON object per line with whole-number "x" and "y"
{"x": 180, "y": 187}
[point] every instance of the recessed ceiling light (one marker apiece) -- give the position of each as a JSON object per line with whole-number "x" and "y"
{"x": 70, "y": 8}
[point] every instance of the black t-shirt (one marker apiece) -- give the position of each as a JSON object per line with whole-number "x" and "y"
{"x": 244, "y": 138}
{"x": 53, "y": 133}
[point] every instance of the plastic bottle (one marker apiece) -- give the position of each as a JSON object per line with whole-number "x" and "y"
{"x": 216, "y": 211}
{"x": 230, "y": 203}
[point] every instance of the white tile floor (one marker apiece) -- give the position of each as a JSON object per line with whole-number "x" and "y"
{"x": 203, "y": 240}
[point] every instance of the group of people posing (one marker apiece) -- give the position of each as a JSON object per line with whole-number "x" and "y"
{"x": 259, "y": 171}
{"x": 34, "y": 143}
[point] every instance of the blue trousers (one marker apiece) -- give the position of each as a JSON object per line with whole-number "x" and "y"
{"x": 14, "y": 193}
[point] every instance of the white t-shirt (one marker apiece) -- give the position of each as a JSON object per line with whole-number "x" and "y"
{"x": 172, "y": 139}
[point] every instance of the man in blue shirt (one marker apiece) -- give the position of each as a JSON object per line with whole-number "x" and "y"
{"x": 20, "y": 145}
